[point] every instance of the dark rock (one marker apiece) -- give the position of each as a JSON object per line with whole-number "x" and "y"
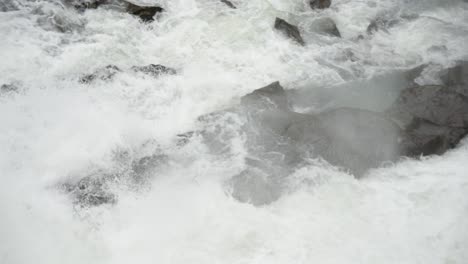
{"x": 437, "y": 104}
{"x": 320, "y": 4}
{"x": 434, "y": 117}
{"x": 380, "y": 24}
{"x": 229, "y": 3}
{"x": 143, "y": 168}
{"x": 91, "y": 191}
{"x": 146, "y": 13}
{"x": 98, "y": 187}
{"x": 8, "y": 5}
{"x": 8, "y": 88}
{"x": 105, "y": 74}
{"x": 457, "y": 78}
{"x": 358, "y": 140}
{"x": 154, "y": 70}
{"x": 424, "y": 138}
{"x": 254, "y": 186}
{"x": 183, "y": 139}
{"x": 289, "y": 30}
{"x": 326, "y": 26}
{"x": 270, "y": 96}
{"x": 279, "y": 141}
{"x": 87, "y": 4}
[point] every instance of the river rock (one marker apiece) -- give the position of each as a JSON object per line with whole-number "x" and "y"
{"x": 229, "y": 3}
{"x": 457, "y": 78}
{"x": 92, "y": 190}
{"x": 87, "y": 4}
{"x": 104, "y": 74}
{"x": 437, "y": 104}
{"x": 154, "y": 70}
{"x": 8, "y": 5}
{"x": 320, "y": 4}
{"x": 278, "y": 141}
{"x": 8, "y": 88}
{"x": 325, "y": 26}
{"x": 434, "y": 117}
{"x": 289, "y": 30}
{"x": 380, "y": 24}
{"x": 145, "y": 13}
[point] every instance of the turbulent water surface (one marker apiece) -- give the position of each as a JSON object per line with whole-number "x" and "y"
{"x": 56, "y": 130}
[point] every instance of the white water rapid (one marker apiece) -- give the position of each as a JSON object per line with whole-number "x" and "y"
{"x": 55, "y": 129}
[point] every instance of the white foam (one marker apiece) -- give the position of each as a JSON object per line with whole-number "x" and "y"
{"x": 410, "y": 212}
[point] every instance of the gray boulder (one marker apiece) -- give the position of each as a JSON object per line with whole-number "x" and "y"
{"x": 105, "y": 74}
{"x": 229, "y": 3}
{"x": 320, "y": 4}
{"x": 145, "y": 13}
{"x": 154, "y": 70}
{"x": 325, "y": 26}
{"x": 380, "y": 24}
{"x": 279, "y": 141}
{"x": 8, "y": 88}
{"x": 82, "y": 5}
{"x": 289, "y": 30}
{"x": 434, "y": 117}
{"x": 8, "y": 5}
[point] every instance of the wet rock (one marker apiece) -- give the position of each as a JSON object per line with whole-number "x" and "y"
{"x": 53, "y": 16}
{"x": 183, "y": 139}
{"x": 457, "y": 78}
{"x": 424, "y": 138}
{"x": 87, "y": 4}
{"x": 279, "y": 141}
{"x": 8, "y": 5}
{"x": 326, "y": 26}
{"x": 357, "y": 140}
{"x": 143, "y": 168}
{"x": 154, "y": 70}
{"x": 145, "y": 13}
{"x": 91, "y": 191}
{"x": 380, "y": 24}
{"x": 320, "y": 4}
{"x": 229, "y": 3}
{"x": 255, "y": 187}
{"x": 289, "y": 30}
{"x": 104, "y": 74}
{"x": 434, "y": 117}
{"x": 437, "y": 104}
{"x": 270, "y": 96}
{"x": 8, "y": 88}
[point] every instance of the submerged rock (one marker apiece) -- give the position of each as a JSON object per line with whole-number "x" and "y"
{"x": 8, "y": 5}
{"x": 319, "y": 4}
{"x": 105, "y": 74}
{"x": 8, "y": 88}
{"x": 87, "y": 4}
{"x": 422, "y": 137}
{"x": 91, "y": 191}
{"x": 146, "y": 13}
{"x": 154, "y": 70}
{"x": 279, "y": 141}
{"x": 289, "y": 30}
{"x": 434, "y": 117}
{"x": 437, "y": 104}
{"x": 457, "y": 78}
{"x": 326, "y": 26}
{"x": 229, "y": 3}
{"x": 99, "y": 187}
{"x": 270, "y": 96}
{"x": 380, "y": 24}
{"x": 254, "y": 186}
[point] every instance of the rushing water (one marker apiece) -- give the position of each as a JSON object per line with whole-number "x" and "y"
{"x": 55, "y": 129}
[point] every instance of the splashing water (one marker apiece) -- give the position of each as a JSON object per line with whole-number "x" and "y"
{"x": 54, "y": 129}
